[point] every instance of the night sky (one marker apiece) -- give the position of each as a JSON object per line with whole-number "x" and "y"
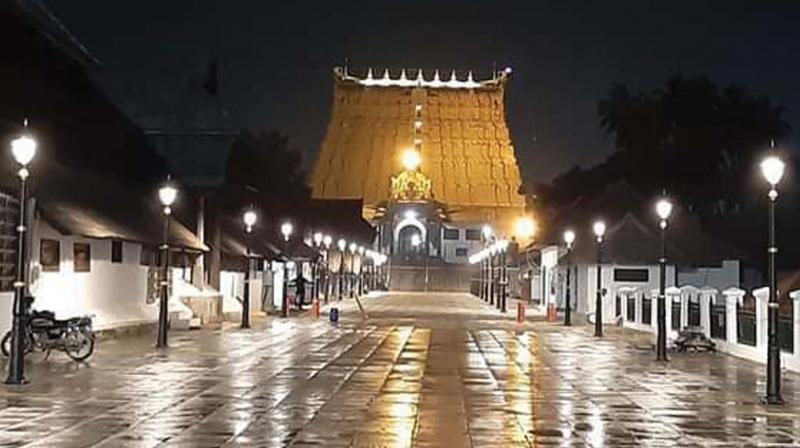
{"x": 276, "y": 57}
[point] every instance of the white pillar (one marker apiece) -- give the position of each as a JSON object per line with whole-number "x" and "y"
{"x": 684, "y": 310}
{"x": 705, "y": 296}
{"x": 732, "y": 297}
{"x": 623, "y": 297}
{"x": 762, "y": 301}
{"x": 637, "y": 310}
{"x": 673, "y": 295}
{"x": 795, "y": 296}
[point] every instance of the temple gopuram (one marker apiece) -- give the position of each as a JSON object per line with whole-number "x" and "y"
{"x": 430, "y": 156}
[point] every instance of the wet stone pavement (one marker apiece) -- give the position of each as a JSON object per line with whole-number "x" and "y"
{"x": 423, "y": 370}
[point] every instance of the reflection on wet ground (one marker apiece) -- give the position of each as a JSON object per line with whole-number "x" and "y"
{"x": 424, "y": 370}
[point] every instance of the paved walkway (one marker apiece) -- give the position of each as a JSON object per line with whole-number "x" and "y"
{"x": 423, "y": 370}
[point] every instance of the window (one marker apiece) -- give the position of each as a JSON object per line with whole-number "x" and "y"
{"x": 461, "y": 252}
{"x": 116, "y": 251}
{"x": 82, "y": 254}
{"x": 473, "y": 234}
{"x": 451, "y": 234}
{"x": 631, "y": 275}
{"x": 49, "y": 255}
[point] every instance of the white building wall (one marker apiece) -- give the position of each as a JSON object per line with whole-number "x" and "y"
{"x": 114, "y": 292}
{"x": 449, "y": 247}
{"x": 549, "y": 275}
{"x": 587, "y": 286}
{"x": 6, "y": 302}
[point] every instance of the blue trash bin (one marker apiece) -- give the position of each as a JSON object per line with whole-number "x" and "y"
{"x": 334, "y": 314}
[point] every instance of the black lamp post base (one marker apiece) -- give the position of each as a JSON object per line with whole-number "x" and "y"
{"x": 16, "y": 382}
{"x": 773, "y": 401}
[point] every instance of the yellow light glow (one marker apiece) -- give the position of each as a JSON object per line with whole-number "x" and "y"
{"x": 525, "y": 227}
{"x": 411, "y": 159}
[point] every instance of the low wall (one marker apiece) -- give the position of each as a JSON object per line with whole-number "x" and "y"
{"x": 731, "y": 299}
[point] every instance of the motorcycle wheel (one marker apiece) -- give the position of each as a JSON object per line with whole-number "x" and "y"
{"x": 79, "y": 345}
{"x": 5, "y": 344}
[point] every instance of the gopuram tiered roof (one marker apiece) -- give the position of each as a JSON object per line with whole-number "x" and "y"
{"x": 466, "y": 148}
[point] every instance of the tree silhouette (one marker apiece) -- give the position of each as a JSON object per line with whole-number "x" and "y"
{"x": 691, "y": 137}
{"x": 265, "y": 163}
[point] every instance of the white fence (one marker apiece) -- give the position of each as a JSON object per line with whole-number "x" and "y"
{"x": 720, "y": 315}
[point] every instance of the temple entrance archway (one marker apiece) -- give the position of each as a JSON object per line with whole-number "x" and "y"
{"x": 404, "y": 236}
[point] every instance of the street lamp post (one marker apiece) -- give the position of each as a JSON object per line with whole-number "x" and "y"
{"x": 486, "y": 233}
{"x": 772, "y": 168}
{"x": 342, "y": 245}
{"x": 361, "y": 264}
{"x": 23, "y": 149}
{"x": 569, "y": 238}
{"x": 599, "y": 229}
{"x": 502, "y": 248}
{"x": 249, "y": 219}
{"x": 482, "y": 283}
{"x": 167, "y": 195}
{"x": 315, "y": 268}
{"x": 286, "y": 231}
{"x": 491, "y": 287}
{"x": 351, "y": 276}
{"x": 326, "y": 241}
{"x": 663, "y": 210}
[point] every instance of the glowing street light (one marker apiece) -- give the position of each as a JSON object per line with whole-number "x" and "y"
{"x": 167, "y": 194}
{"x": 23, "y": 148}
{"x": 525, "y": 227}
{"x": 486, "y": 231}
{"x": 772, "y": 169}
{"x": 249, "y": 219}
{"x": 342, "y": 246}
{"x": 599, "y": 229}
{"x": 286, "y": 230}
{"x": 569, "y": 238}
{"x": 663, "y": 210}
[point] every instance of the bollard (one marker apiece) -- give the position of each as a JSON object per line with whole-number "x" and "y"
{"x": 551, "y": 312}
{"x": 334, "y": 315}
{"x": 316, "y": 307}
{"x": 520, "y": 312}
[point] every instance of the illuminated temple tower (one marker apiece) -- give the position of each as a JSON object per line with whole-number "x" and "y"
{"x": 430, "y": 156}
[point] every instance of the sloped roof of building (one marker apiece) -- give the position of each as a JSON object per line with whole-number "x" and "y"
{"x": 73, "y": 120}
{"x": 39, "y": 16}
{"x": 237, "y": 242}
{"x": 92, "y": 206}
{"x": 632, "y": 234}
{"x": 185, "y": 119}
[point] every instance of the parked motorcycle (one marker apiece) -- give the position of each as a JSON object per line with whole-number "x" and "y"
{"x": 693, "y": 339}
{"x": 44, "y": 332}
